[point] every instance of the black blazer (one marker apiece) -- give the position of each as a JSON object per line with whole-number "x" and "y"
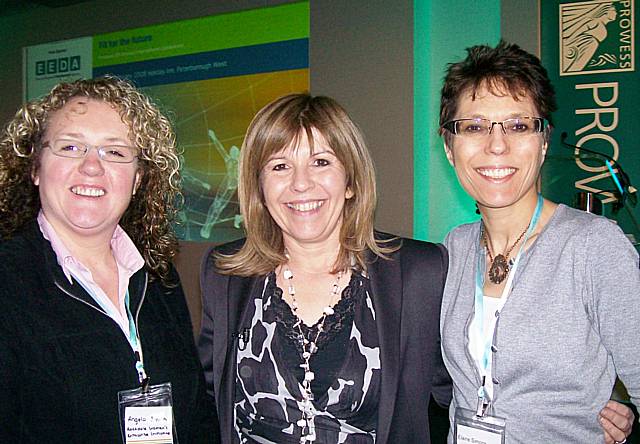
{"x": 406, "y": 293}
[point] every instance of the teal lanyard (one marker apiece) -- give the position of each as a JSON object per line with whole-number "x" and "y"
{"x": 132, "y": 337}
{"x": 479, "y": 295}
{"x": 134, "y": 340}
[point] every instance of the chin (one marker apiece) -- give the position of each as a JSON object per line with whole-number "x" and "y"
{"x": 502, "y": 201}
{"x": 89, "y": 225}
{"x": 495, "y": 200}
{"x": 495, "y": 204}
{"x": 310, "y": 236}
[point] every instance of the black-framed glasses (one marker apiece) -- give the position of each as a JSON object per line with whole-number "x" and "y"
{"x": 74, "y": 149}
{"x": 477, "y": 127}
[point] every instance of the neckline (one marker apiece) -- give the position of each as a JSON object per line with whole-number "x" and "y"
{"x": 541, "y": 235}
{"x": 347, "y": 298}
{"x": 560, "y": 208}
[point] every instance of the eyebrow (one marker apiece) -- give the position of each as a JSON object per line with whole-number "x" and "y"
{"x": 80, "y": 138}
{"x": 315, "y": 153}
{"x": 271, "y": 159}
{"x": 514, "y": 115}
{"x": 329, "y": 151}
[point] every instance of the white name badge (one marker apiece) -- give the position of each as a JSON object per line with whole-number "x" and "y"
{"x": 148, "y": 425}
{"x": 472, "y": 429}
{"x": 146, "y": 415}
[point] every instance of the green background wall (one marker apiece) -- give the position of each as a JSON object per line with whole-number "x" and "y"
{"x": 442, "y": 32}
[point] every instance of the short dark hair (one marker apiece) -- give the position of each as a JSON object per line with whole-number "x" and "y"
{"x": 505, "y": 69}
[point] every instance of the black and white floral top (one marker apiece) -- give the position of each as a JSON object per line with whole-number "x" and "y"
{"x": 346, "y": 390}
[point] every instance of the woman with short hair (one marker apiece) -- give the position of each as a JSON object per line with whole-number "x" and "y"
{"x": 540, "y": 310}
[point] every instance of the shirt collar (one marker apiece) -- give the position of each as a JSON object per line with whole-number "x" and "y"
{"x": 124, "y": 250}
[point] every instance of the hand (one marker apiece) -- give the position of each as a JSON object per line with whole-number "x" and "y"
{"x": 617, "y": 421}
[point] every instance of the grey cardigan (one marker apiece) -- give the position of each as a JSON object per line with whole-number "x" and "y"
{"x": 570, "y": 325}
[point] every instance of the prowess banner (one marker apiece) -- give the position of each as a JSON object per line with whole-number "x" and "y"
{"x": 588, "y": 48}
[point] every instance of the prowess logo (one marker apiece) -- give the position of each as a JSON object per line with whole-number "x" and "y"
{"x": 60, "y": 65}
{"x": 596, "y": 37}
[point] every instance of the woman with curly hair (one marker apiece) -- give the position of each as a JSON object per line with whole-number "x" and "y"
{"x": 93, "y": 320}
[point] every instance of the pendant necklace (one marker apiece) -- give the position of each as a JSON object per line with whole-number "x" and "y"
{"x": 499, "y": 268}
{"x": 309, "y": 347}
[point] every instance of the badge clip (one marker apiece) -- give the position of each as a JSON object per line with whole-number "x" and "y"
{"x": 145, "y": 384}
{"x": 481, "y": 409}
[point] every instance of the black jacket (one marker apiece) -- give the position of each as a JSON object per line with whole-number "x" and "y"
{"x": 63, "y": 361}
{"x": 407, "y": 291}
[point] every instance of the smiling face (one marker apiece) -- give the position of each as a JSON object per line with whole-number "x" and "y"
{"x": 497, "y": 171}
{"x": 305, "y": 192}
{"x": 85, "y": 196}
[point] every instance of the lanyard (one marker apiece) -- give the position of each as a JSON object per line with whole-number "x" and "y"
{"x": 134, "y": 340}
{"x": 485, "y": 350}
{"x": 132, "y": 337}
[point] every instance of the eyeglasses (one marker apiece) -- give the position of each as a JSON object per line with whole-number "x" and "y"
{"x": 74, "y": 149}
{"x": 477, "y": 128}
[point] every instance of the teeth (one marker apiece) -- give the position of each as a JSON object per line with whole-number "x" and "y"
{"x": 306, "y": 206}
{"x": 497, "y": 173}
{"x": 86, "y": 191}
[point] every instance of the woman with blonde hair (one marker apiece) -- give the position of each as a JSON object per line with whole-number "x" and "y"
{"x": 316, "y": 328}
{"x": 93, "y": 321}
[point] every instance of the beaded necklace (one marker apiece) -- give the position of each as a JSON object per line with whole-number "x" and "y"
{"x": 309, "y": 347}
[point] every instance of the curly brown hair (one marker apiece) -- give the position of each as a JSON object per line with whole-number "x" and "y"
{"x": 151, "y": 213}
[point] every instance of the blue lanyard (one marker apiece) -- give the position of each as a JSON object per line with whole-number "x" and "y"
{"x": 133, "y": 337}
{"x": 479, "y": 295}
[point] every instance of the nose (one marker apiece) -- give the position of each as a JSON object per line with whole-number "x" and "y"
{"x": 497, "y": 142}
{"x": 91, "y": 163}
{"x": 301, "y": 180}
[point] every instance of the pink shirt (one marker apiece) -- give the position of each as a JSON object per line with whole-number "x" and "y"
{"x": 128, "y": 260}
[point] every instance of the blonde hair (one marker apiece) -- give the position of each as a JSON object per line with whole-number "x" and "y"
{"x": 278, "y": 125}
{"x": 149, "y": 218}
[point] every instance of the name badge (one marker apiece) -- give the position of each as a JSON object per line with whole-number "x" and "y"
{"x": 148, "y": 425}
{"x": 472, "y": 429}
{"x": 146, "y": 415}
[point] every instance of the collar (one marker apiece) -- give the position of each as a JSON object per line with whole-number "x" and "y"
{"x": 124, "y": 250}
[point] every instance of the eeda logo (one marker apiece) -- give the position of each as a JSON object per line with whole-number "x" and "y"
{"x": 61, "y": 65}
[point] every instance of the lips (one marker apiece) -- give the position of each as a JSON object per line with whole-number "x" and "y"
{"x": 496, "y": 173}
{"x": 305, "y": 207}
{"x": 88, "y": 191}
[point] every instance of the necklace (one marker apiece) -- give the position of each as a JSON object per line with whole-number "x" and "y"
{"x": 309, "y": 347}
{"x": 499, "y": 268}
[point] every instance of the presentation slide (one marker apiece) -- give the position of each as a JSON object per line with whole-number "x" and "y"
{"x": 210, "y": 76}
